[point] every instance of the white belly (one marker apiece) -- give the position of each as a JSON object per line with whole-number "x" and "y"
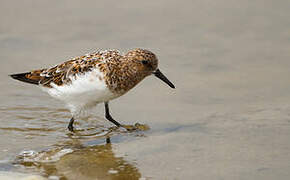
{"x": 85, "y": 91}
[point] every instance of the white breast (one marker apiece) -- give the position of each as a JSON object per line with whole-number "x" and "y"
{"x": 84, "y": 91}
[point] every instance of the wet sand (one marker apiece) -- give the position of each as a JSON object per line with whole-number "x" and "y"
{"x": 228, "y": 118}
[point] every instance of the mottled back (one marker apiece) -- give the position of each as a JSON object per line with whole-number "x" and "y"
{"x": 65, "y": 72}
{"x": 120, "y": 72}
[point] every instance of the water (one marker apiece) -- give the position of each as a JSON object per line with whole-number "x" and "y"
{"x": 228, "y": 117}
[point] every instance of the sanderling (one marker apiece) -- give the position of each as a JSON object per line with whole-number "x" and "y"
{"x": 94, "y": 78}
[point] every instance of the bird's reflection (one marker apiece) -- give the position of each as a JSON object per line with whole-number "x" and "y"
{"x": 77, "y": 161}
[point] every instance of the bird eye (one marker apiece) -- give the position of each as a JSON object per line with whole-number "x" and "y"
{"x": 144, "y": 62}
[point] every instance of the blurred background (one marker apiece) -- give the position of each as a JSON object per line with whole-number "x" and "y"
{"x": 228, "y": 118}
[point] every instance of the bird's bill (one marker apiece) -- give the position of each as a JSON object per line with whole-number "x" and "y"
{"x": 161, "y": 76}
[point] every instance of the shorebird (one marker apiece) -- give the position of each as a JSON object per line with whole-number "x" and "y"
{"x": 83, "y": 82}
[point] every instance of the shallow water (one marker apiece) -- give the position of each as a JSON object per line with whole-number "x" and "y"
{"x": 228, "y": 118}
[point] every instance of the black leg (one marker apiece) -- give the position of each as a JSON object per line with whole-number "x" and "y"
{"x": 70, "y": 125}
{"x": 108, "y": 116}
{"x": 108, "y": 140}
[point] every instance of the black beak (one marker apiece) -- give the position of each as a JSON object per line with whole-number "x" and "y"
{"x": 161, "y": 76}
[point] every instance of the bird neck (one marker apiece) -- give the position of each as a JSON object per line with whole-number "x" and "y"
{"x": 124, "y": 76}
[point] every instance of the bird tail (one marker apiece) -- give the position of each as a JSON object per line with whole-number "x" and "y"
{"x": 27, "y": 77}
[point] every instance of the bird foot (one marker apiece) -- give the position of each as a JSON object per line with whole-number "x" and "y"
{"x": 71, "y": 128}
{"x": 129, "y": 128}
{"x": 136, "y": 127}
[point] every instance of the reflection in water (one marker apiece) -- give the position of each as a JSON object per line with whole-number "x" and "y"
{"x": 80, "y": 155}
{"x": 74, "y": 160}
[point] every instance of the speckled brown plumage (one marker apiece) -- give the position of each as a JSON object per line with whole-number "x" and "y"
{"x": 121, "y": 72}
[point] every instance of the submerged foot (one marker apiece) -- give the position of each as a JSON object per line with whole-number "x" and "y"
{"x": 136, "y": 127}
{"x": 70, "y": 128}
{"x": 129, "y": 128}
{"x": 70, "y": 125}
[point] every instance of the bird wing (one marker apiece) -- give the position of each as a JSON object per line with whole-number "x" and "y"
{"x": 59, "y": 74}
{"x": 62, "y": 73}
